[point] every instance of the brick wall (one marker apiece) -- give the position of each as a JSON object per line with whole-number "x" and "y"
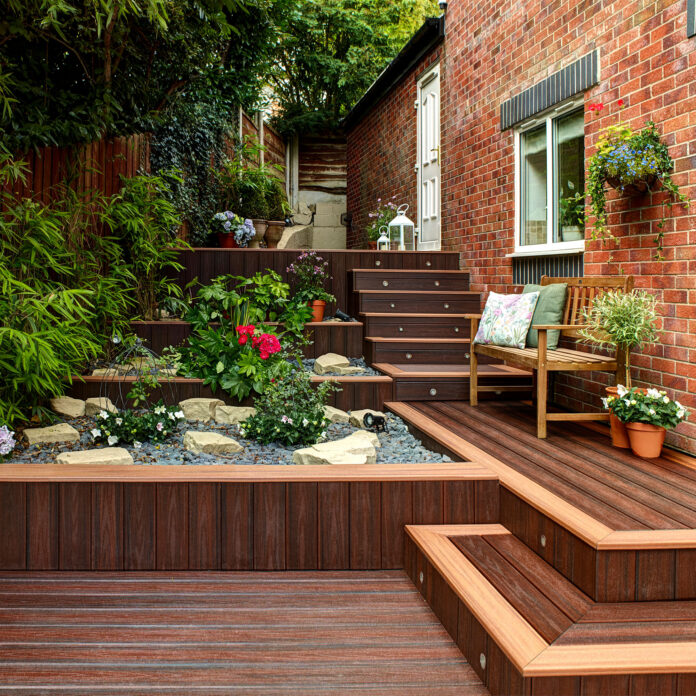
{"x": 495, "y": 49}
{"x": 381, "y": 154}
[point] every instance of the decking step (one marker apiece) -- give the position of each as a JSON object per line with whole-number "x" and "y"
{"x": 438, "y": 382}
{"x": 390, "y": 325}
{"x": 416, "y": 301}
{"x": 397, "y": 279}
{"x": 416, "y": 350}
{"x": 527, "y": 630}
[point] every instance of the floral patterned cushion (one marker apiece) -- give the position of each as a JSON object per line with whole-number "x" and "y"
{"x": 506, "y": 319}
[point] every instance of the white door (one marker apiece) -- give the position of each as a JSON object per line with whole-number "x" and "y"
{"x": 428, "y": 164}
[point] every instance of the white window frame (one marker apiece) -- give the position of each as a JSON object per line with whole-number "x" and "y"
{"x": 431, "y": 72}
{"x": 550, "y": 247}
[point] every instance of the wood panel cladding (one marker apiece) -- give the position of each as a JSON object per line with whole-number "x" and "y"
{"x": 306, "y": 525}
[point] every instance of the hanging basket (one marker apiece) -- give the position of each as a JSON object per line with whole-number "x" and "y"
{"x": 635, "y": 188}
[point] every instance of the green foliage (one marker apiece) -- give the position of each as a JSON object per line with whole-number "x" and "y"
{"x": 625, "y": 157}
{"x": 144, "y": 221}
{"x": 329, "y": 52}
{"x": 646, "y": 406}
{"x": 135, "y": 427}
{"x": 277, "y": 201}
{"x": 72, "y": 72}
{"x": 290, "y": 411}
{"x": 622, "y": 320}
{"x": 572, "y": 210}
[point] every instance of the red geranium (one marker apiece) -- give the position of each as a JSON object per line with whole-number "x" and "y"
{"x": 597, "y": 106}
{"x": 244, "y": 333}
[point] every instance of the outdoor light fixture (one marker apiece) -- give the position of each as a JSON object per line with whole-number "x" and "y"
{"x": 383, "y": 241}
{"x": 402, "y": 231}
{"x": 443, "y": 5}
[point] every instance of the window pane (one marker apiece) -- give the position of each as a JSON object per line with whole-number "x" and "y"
{"x": 569, "y": 186}
{"x": 534, "y": 186}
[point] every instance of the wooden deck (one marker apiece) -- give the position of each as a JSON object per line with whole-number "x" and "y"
{"x": 318, "y": 634}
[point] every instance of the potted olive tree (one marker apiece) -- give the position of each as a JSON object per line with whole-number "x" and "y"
{"x": 624, "y": 321}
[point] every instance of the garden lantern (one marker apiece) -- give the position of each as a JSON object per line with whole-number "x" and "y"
{"x": 383, "y": 241}
{"x": 401, "y": 230}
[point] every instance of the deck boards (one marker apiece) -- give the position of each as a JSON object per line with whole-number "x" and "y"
{"x": 236, "y": 633}
{"x": 620, "y": 490}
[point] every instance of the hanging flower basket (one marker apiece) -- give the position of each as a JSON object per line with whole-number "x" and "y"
{"x": 637, "y": 188}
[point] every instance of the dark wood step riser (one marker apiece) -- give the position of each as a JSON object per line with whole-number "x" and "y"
{"x": 457, "y": 389}
{"x": 499, "y": 675}
{"x": 394, "y": 304}
{"x": 416, "y": 327}
{"x": 420, "y": 355}
{"x": 413, "y": 283}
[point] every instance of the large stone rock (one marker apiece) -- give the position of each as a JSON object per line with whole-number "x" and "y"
{"x": 330, "y": 362}
{"x": 357, "y": 448}
{"x": 233, "y": 415}
{"x": 200, "y": 409}
{"x": 105, "y": 372}
{"x": 350, "y": 370}
{"x": 357, "y": 418}
{"x": 96, "y": 404}
{"x": 210, "y": 443}
{"x": 68, "y": 407}
{"x": 104, "y": 455}
{"x": 62, "y": 432}
{"x": 335, "y": 415}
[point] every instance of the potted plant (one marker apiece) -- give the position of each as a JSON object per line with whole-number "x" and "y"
{"x": 572, "y": 209}
{"x": 232, "y": 230}
{"x": 381, "y": 217}
{"x": 647, "y": 415}
{"x": 632, "y": 162}
{"x": 277, "y": 210}
{"x": 624, "y": 321}
{"x": 311, "y": 271}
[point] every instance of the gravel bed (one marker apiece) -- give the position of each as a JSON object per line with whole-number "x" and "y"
{"x": 398, "y": 446}
{"x": 354, "y": 362}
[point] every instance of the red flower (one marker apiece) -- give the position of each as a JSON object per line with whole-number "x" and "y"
{"x": 620, "y": 102}
{"x": 243, "y": 339}
{"x": 597, "y": 106}
{"x": 248, "y": 329}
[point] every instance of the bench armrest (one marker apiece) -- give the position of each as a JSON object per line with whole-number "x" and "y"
{"x": 559, "y": 327}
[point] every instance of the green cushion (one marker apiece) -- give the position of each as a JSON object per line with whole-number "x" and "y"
{"x": 548, "y": 310}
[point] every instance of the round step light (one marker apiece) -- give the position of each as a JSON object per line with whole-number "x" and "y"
{"x": 456, "y": 329}
{"x": 420, "y": 577}
{"x": 433, "y": 392}
{"x": 385, "y": 283}
{"x": 378, "y": 263}
{"x": 392, "y": 305}
{"x": 446, "y": 306}
{"x": 482, "y": 661}
{"x": 401, "y": 328}
{"x": 437, "y": 283}
{"x": 467, "y": 356}
{"x": 408, "y": 356}
{"x": 542, "y": 541}
{"x": 428, "y": 264}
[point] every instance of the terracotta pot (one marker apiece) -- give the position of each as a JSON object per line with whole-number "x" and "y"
{"x": 274, "y": 233}
{"x": 619, "y": 436}
{"x": 227, "y": 241}
{"x": 260, "y": 226}
{"x": 372, "y": 245}
{"x": 318, "y": 307}
{"x": 646, "y": 440}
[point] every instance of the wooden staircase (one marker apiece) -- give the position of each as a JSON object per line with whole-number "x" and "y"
{"x": 417, "y": 332}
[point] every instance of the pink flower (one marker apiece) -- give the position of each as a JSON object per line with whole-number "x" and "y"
{"x": 160, "y": 426}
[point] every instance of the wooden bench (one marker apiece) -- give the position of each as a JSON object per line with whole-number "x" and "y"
{"x": 581, "y": 293}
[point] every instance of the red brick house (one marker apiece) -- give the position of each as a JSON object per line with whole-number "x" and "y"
{"x": 482, "y": 126}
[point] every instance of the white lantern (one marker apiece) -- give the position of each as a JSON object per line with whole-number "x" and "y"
{"x": 402, "y": 230}
{"x": 383, "y": 241}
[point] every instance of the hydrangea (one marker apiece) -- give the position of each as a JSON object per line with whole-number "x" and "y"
{"x": 7, "y": 441}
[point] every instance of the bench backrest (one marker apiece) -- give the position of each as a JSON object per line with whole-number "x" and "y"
{"x": 581, "y": 293}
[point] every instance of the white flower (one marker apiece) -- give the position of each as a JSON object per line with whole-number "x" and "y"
{"x": 180, "y": 415}
{"x": 680, "y": 413}
{"x": 171, "y": 416}
{"x": 137, "y": 444}
{"x": 160, "y": 409}
{"x": 633, "y": 402}
{"x": 621, "y": 390}
{"x": 653, "y": 393}
{"x": 605, "y": 402}
{"x": 112, "y": 440}
{"x": 285, "y": 419}
{"x": 652, "y": 411}
{"x": 305, "y": 422}
{"x": 323, "y": 433}
{"x": 666, "y": 399}
{"x": 678, "y": 405}
{"x": 103, "y": 415}
{"x": 95, "y": 433}
{"x": 119, "y": 421}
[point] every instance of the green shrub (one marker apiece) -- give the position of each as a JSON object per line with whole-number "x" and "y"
{"x": 290, "y": 411}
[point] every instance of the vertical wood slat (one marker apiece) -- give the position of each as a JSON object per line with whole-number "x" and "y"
{"x": 236, "y": 526}
{"x": 365, "y": 532}
{"x": 396, "y": 511}
{"x": 43, "y": 526}
{"x": 13, "y": 526}
{"x": 172, "y": 526}
{"x": 334, "y": 526}
{"x": 107, "y": 526}
{"x": 269, "y": 526}
{"x": 75, "y": 535}
{"x": 302, "y": 526}
{"x": 204, "y": 526}
{"x": 139, "y": 526}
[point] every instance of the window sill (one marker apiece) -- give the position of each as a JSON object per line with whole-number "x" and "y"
{"x": 563, "y": 251}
